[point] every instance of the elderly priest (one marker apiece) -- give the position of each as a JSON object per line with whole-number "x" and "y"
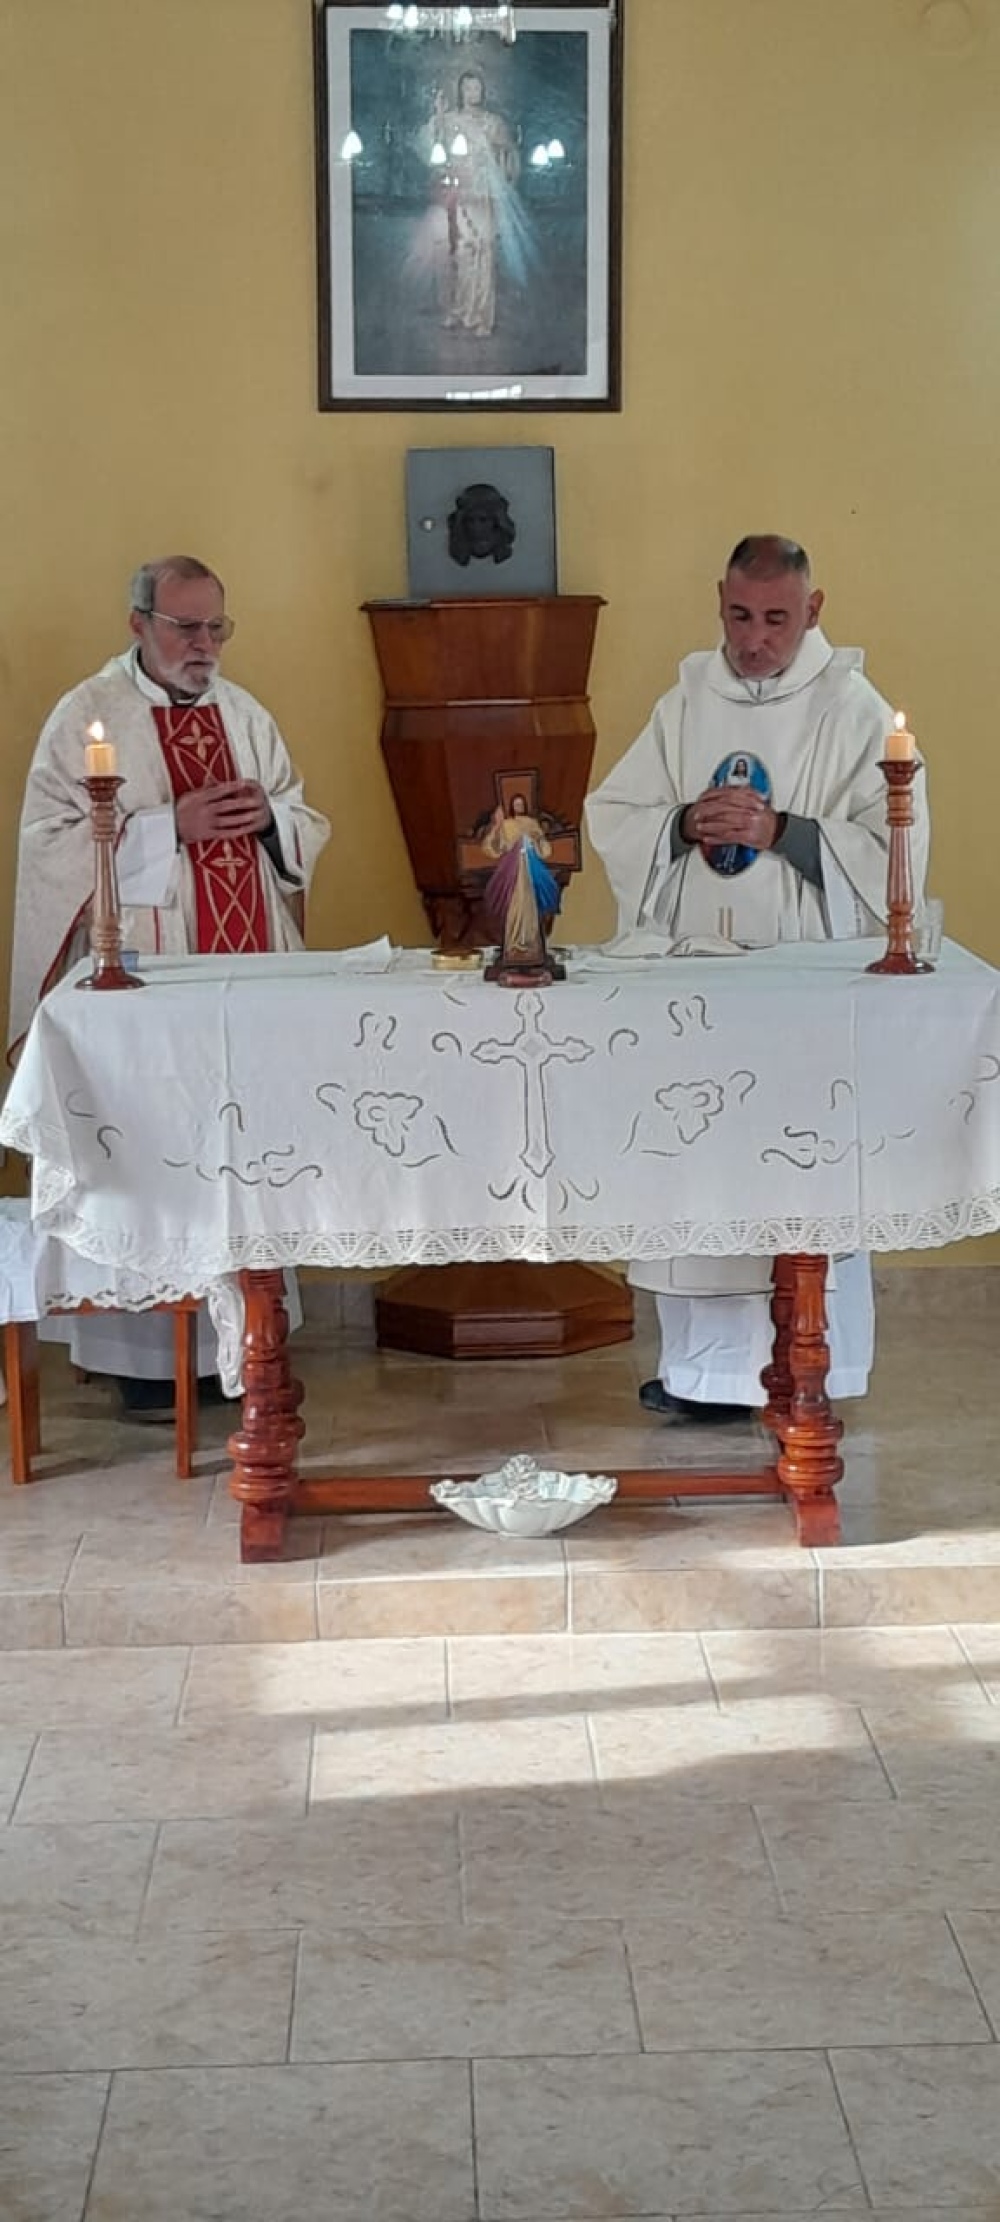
{"x": 753, "y": 805}
{"x": 217, "y": 847}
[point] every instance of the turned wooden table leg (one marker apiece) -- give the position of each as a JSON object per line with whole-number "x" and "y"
{"x": 810, "y": 1464}
{"x": 264, "y": 1449}
{"x": 777, "y": 1377}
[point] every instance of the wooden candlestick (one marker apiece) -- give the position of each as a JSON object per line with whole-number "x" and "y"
{"x": 899, "y": 773}
{"x": 106, "y": 917}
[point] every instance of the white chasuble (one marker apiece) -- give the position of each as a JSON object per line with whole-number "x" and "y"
{"x": 810, "y": 740}
{"x": 817, "y": 731}
{"x": 159, "y": 909}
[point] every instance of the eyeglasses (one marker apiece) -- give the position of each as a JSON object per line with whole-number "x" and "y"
{"x": 219, "y": 629}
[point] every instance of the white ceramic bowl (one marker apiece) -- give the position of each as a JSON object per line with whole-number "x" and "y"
{"x": 521, "y": 1499}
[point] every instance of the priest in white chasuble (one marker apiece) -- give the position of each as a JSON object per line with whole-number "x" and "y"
{"x": 217, "y": 849}
{"x": 753, "y": 806}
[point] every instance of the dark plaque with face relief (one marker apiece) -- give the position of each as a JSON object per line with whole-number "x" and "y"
{"x": 480, "y": 521}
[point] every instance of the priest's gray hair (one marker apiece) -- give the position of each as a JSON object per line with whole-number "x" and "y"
{"x": 142, "y": 591}
{"x": 766, "y": 555}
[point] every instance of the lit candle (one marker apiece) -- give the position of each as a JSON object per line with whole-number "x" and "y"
{"x": 900, "y": 744}
{"x": 99, "y": 754}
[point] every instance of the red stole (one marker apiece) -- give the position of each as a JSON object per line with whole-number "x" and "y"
{"x": 231, "y": 914}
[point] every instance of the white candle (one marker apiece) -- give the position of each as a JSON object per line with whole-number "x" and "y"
{"x": 99, "y": 755}
{"x": 900, "y": 744}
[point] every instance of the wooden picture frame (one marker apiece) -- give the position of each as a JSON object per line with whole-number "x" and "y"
{"x": 469, "y": 210}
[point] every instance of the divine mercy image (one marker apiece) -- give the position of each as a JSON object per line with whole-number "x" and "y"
{"x": 470, "y": 205}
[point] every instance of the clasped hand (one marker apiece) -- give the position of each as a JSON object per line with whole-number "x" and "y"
{"x": 724, "y": 816}
{"x": 224, "y": 811}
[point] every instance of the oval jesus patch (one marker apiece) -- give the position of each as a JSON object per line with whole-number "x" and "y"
{"x": 737, "y": 771}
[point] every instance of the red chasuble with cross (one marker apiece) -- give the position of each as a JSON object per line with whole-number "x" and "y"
{"x": 229, "y": 891}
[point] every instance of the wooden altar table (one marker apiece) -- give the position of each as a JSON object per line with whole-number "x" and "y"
{"x": 357, "y": 1109}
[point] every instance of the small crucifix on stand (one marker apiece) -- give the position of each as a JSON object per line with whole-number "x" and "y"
{"x": 523, "y": 847}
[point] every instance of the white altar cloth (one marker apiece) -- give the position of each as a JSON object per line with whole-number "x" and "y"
{"x": 291, "y": 1111}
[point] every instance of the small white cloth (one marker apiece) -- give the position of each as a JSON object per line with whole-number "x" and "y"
{"x": 645, "y": 945}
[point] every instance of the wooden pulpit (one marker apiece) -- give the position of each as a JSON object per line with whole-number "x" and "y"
{"x": 476, "y": 689}
{"x": 482, "y": 698}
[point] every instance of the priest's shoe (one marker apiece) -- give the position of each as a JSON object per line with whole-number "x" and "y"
{"x": 152, "y": 1403}
{"x": 655, "y": 1398}
{"x": 211, "y": 1391}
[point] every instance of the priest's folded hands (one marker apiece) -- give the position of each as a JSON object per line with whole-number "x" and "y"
{"x": 232, "y": 807}
{"x": 727, "y": 814}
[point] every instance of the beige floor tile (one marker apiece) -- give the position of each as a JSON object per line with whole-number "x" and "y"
{"x": 386, "y": 1862}
{"x": 303, "y": 2144}
{"x": 430, "y": 1546}
{"x": 613, "y": 1435}
{"x": 69, "y": 1499}
{"x": 941, "y": 1746}
{"x": 467, "y": 1604}
{"x": 564, "y": 1860}
{"x": 451, "y": 1992}
{"x": 856, "y": 1664}
{"x": 429, "y": 1576}
{"x": 493, "y": 1680}
{"x": 164, "y": 1613}
{"x": 981, "y": 1646}
{"x": 709, "y": 2131}
{"x": 355, "y": 1685}
{"x": 814, "y": 1981}
{"x": 166, "y": 1774}
{"x": 49, "y": 2127}
{"x": 812, "y": 1746}
{"x": 910, "y": 1507}
{"x": 15, "y": 1754}
{"x": 58, "y": 1879}
{"x": 925, "y": 2123}
{"x": 978, "y": 1936}
{"x": 459, "y": 1758}
{"x": 58, "y": 1688}
{"x": 668, "y": 1539}
{"x": 865, "y": 1856}
{"x": 33, "y": 1622}
{"x": 418, "y": 1435}
{"x": 933, "y": 1545}
{"x": 30, "y": 1560}
{"x": 193, "y": 1560}
{"x": 615, "y": 1600}
{"x": 105, "y": 2002}
{"x": 895, "y": 1595}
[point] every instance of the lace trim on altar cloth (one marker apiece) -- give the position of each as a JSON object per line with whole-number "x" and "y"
{"x": 187, "y": 1268}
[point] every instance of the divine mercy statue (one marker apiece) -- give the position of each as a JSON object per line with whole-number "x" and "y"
{"x": 521, "y": 893}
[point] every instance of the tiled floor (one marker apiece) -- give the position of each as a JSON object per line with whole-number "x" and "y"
{"x": 691, "y": 1911}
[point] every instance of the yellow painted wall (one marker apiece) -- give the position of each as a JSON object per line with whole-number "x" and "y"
{"x": 811, "y": 343}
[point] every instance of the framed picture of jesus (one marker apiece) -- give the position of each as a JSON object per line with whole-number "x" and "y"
{"x": 469, "y": 206}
